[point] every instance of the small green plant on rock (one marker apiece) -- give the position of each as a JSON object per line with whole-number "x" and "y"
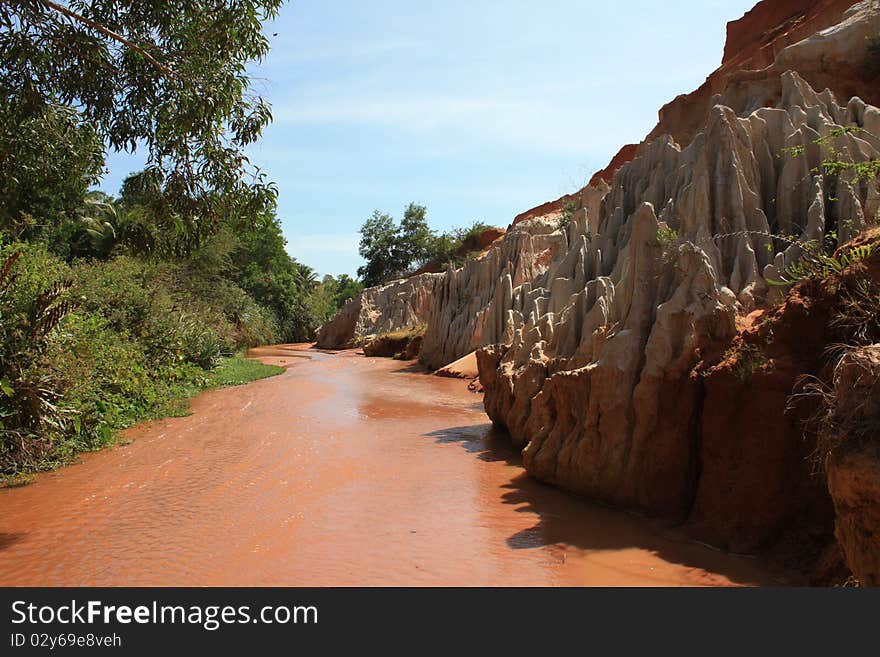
{"x": 816, "y": 265}
{"x": 569, "y": 209}
{"x": 666, "y": 235}
{"x": 749, "y": 360}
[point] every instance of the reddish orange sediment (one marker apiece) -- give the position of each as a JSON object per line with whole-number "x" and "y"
{"x": 341, "y": 471}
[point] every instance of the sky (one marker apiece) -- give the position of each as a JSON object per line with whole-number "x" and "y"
{"x": 478, "y": 110}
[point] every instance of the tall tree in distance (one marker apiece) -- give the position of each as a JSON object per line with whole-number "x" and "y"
{"x": 379, "y": 247}
{"x": 169, "y": 77}
{"x": 391, "y": 250}
{"x": 414, "y": 237}
{"x": 394, "y": 251}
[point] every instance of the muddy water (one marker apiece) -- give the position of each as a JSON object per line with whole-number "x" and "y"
{"x": 342, "y": 471}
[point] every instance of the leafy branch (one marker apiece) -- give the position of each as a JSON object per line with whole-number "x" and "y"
{"x": 61, "y": 9}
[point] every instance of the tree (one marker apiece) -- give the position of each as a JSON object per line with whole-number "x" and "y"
{"x": 47, "y": 164}
{"x": 380, "y": 248}
{"x": 345, "y": 288}
{"x": 414, "y": 237}
{"x": 168, "y": 77}
{"x": 393, "y": 251}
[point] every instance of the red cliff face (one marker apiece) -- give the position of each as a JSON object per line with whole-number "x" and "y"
{"x": 624, "y": 155}
{"x": 754, "y": 40}
{"x": 753, "y": 44}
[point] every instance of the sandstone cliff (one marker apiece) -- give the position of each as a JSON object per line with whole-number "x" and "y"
{"x": 593, "y": 382}
{"x": 384, "y": 309}
{"x": 829, "y": 39}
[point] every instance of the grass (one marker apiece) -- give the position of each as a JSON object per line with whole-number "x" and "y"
{"x": 237, "y": 370}
{"x": 404, "y": 334}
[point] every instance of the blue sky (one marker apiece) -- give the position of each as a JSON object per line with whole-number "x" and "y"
{"x": 478, "y": 110}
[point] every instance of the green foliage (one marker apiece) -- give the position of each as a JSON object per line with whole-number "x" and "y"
{"x": 47, "y": 163}
{"x": 392, "y": 252}
{"x": 114, "y": 309}
{"x": 817, "y": 264}
{"x": 569, "y": 209}
{"x": 329, "y": 296}
{"x": 31, "y": 308}
{"x": 89, "y": 348}
{"x": 414, "y": 237}
{"x": 263, "y": 269}
{"x": 818, "y": 258}
{"x": 666, "y": 235}
{"x": 344, "y": 288}
{"x": 168, "y": 78}
{"x": 379, "y": 247}
{"x": 749, "y": 361}
{"x": 835, "y": 165}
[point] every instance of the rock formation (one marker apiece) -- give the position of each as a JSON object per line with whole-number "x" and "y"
{"x": 383, "y": 309}
{"x": 595, "y": 383}
{"x": 470, "y": 305}
{"x": 824, "y": 40}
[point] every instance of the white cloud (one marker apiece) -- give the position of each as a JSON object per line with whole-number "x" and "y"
{"x": 537, "y": 120}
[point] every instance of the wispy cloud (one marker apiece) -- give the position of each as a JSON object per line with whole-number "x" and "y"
{"x": 533, "y": 121}
{"x": 341, "y": 51}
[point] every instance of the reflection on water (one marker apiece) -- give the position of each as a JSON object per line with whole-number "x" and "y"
{"x": 342, "y": 471}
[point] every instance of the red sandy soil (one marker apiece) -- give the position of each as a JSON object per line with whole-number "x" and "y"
{"x": 341, "y": 471}
{"x": 758, "y": 485}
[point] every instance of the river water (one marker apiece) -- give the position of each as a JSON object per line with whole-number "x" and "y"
{"x": 342, "y": 471}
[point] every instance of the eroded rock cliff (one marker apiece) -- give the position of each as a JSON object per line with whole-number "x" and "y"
{"x": 377, "y": 310}
{"x": 596, "y": 383}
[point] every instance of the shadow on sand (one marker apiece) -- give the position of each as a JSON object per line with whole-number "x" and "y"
{"x": 7, "y": 540}
{"x": 565, "y": 519}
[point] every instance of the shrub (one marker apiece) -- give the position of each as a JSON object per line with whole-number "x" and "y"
{"x": 816, "y": 264}
{"x": 750, "y": 360}
{"x": 569, "y": 209}
{"x": 93, "y": 347}
{"x": 32, "y": 305}
{"x": 666, "y": 235}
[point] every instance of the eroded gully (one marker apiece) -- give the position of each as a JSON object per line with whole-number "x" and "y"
{"x": 341, "y": 471}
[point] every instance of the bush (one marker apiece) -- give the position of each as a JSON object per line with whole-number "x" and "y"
{"x": 32, "y": 306}
{"x": 110, "y": 382}
{"x": 93, "y": 347}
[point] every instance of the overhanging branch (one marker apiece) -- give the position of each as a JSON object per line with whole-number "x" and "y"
{"x": 61, "y": 9}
